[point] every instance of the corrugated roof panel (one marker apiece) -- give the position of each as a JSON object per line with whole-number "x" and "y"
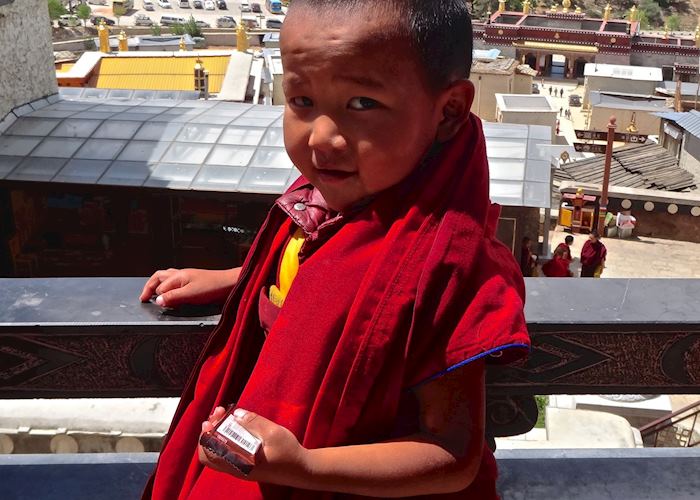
{"x": 690, "y": 122}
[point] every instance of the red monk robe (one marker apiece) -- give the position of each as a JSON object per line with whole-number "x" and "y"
{"x": 412, "y": 285}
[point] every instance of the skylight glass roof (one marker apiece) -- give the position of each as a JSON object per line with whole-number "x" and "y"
{"x": 212, "y": 146}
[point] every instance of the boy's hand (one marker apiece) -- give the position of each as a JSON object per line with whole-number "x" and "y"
{"x": 175, "y": 287}
{"x": 281, "y": 459}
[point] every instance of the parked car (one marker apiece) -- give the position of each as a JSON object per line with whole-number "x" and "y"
{"x": 245, "y": 6}
{"x": 184, "y": 4}
{"x": 171, "y": 20}
{"x": 198, "y": 4}
{"x": 221, "y": 4}
{"x": 97, "y": 2}
{"x": 209, "y": 5}
{"x": 68, "y": 20}
{"x": 202, "y": 24}
{"x": 148, "y": 5}
{"x": 165, "y": 4}
{"x": 256, "y": 7}
{"x": 575, "y": 100}
{"x": 97, "y": 20}
{"x": 142, "y": 20}
{"x": 226, "y": 22}
{"x": 535, "y": 88}
{"x": 273, "y": 23}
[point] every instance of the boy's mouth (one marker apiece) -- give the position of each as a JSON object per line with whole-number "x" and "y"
{"x": 328, "y": 175}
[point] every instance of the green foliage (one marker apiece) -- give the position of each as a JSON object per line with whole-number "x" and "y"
{"x": 83, "y": 12}
{"x": 542, "y": 402}
{"x": 56, "y": 9}
{"x": 673, "y": 22}
{"x": 191, "y": 27}
{"x": 156, "y": 29}
{"x": 177, "y": 29}
{"x": 653, "y": 12}
{"x": 118, "y": 11}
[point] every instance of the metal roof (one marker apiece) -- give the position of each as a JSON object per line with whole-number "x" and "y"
{"x": 639, "y": 73}
{"x": 690, "y": 122}
{"x": 526, "y": 103}
{"x": 647, "y": 166}
{"x": 209, "y": 146}
{"x": 631, "y": 101}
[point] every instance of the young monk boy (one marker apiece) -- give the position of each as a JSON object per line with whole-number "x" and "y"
{"x": 355, "y": 337}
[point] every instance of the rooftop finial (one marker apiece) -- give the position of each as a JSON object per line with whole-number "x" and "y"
{"x": 633, "y": 14}
{"x": 183, "y": 46}
{"x": 123, "y": 41}
{"x": 553, "y": 10}
{"x": 103, "y": 34}
{"x": 697, "y": 35}
{"x": 501, "y": 5}
{"x": 241, "y": 37}
{"x": 526, "y": 7}
{"x": 567, "y": 5}
{"x": 606, "y": 12}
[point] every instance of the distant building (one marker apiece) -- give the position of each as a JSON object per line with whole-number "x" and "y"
{"x": 680, "y": 135}
{"x": 616, "y": 78}
{"x": 534, "y": 109}
{"x": 26, "y": 54}
{"x": 563, "y": 40}
{"x": 492, "y": 76}
{"x": 628, "y": 108}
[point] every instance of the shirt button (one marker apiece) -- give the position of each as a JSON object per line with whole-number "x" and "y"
{"x": 299, "y": 207}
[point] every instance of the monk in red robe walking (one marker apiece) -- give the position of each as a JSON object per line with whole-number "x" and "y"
{"x": 593, "y": 256}
{"x": 354, "y": 339}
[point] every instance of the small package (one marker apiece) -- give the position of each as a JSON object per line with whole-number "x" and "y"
{"x": 232, "y": 442}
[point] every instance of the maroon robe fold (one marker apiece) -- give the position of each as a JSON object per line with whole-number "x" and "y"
{"x": 411, "y": 286}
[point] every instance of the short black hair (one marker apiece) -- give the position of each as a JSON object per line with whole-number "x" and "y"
{"x": 569, "y": 239}
{"x": 439, "y": 30}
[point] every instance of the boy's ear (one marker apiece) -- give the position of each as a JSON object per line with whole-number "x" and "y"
{"x": 456, "y": 103}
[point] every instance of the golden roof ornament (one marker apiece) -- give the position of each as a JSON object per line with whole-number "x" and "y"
{"x": 633, "y": 14}
{"x": 666, "y": 31}
{"x": 526, "y": 7}
{"x": 553, "y": 10}
{"x": 697, "y": 35}
{"x": 606, "y": 12}
{"x": 103, "y": 34}
{"x": 241, "y": 38}
{"x": 566, "y": 4}
{"x": 632, "y": 127}
{"x": 578, "y": 10}
{"x": 183, "y": 46}
{"x": 501, "y": 5}
{"x": 123, "y": 41}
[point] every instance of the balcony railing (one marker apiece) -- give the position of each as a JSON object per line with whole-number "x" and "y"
{"x": 67, "y": 338}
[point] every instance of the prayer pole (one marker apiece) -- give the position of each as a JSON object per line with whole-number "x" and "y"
{"x": 603, "y": 206}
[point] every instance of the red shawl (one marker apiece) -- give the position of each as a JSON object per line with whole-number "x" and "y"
{"x": 412, "y": 285}
{"x": 556, "y": 268}
{"x": 593, "y": 253}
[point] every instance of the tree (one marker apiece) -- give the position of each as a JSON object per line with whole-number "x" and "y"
{"x": 56, "y": 9}
{"x": 177, "y": 29}
{"x": 673, "y": 22}
{"x": 156, "y": 30}
{"x": 118, "y": 11}
{"x": 83, "y": 12}
{"x": 191, "y": 27}
{"x": 653, "y": 12}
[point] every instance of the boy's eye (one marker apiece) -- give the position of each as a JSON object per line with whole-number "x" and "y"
{"x": 362, "y": 103}
{"x": 301, "y": 102}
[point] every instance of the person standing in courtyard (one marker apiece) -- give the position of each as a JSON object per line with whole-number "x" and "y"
{"x": 561, "y": 93}
{"x": 566, "y": 247}
{"x": 593, "y": 256}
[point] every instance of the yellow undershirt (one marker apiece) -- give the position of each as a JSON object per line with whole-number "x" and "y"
{"x": 289, "y": 266}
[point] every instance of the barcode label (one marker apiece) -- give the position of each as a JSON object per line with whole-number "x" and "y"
{"x": 238, "y": 434}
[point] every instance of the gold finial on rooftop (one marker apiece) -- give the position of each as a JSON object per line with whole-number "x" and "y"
{"x": 553, "y": 10}
{"x": 578, "y": 10}
{"x": 666, "y": 31}
{"x": 526, "y": 7}
{"x": 567, "y": 5}
{"x": 183, "y": 46}
{"x": 632, "y": 127}
{"x": 123, "y": 41}
{"x": 606, "y": 12}
{"x": 241, "y": 38}
{"x": 501, "y": 5}
{"x": 103, "y": 34}
{"x": 697, "y": 35}
{"x": 633, "y": 14}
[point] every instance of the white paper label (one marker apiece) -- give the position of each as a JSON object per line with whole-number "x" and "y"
{"x": 239, "y": 435}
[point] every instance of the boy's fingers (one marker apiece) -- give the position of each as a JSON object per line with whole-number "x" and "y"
{"x": 169, "y": 283}
{"x": 217, "y": 414}
{"x": 150, "y": 287}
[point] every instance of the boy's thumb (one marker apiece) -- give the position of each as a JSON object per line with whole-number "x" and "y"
{"x": 173, "y": 298}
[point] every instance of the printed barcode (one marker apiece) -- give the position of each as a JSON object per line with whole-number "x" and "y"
{"x": 238, "y": 434}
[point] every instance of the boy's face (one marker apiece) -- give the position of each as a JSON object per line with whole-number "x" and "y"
{"x": 359, "y": 115}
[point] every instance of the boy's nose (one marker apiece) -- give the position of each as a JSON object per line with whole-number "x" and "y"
{"x": 325, "y": 136}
